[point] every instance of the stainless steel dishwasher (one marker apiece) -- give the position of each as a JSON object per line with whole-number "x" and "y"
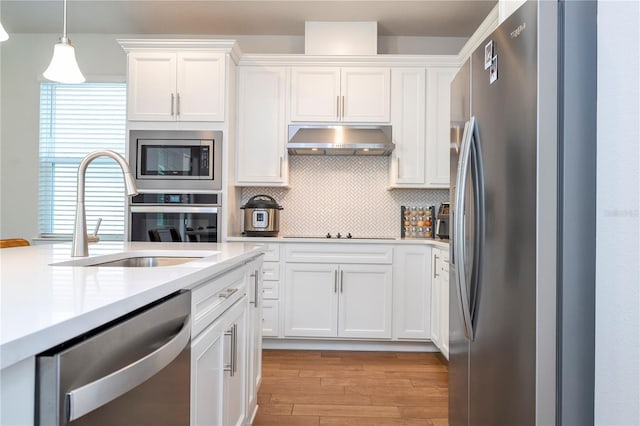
{"x": 133, "y": 371}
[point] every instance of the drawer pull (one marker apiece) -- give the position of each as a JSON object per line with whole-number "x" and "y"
{"x": 227, "y": 293}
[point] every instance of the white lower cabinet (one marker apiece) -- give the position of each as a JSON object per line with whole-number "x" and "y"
{"x": 412, "y": 292}
{"x": 235, "y": 369}
{"x": 254, "y": 332}
{"x": 334, "y": 300}
{"x": 218, "y": 371}
{"x": 440, "y": 300}
{"x": 226, "y": 347}
{"x": 270, "y": 318}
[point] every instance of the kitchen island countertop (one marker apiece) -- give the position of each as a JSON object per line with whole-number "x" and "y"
{"x": 42, "y": 305}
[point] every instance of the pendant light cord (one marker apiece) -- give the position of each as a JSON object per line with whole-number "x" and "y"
{"x": 64, "y": 22}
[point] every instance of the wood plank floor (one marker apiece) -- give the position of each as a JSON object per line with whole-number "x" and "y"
{"x": 352, "y": 388}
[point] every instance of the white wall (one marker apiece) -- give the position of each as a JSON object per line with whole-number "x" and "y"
{"x": 617, "y": 381}
{"x": 24, "y": 58}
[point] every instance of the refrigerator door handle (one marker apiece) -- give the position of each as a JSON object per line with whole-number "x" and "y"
{"x": 477, "y": 174}
{"x": 459, "y": 227}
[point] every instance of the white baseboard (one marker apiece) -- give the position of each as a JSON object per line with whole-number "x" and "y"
{"x": 348, "y": 345}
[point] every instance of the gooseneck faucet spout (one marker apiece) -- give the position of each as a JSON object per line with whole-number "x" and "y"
{"x": 80, "y": 247}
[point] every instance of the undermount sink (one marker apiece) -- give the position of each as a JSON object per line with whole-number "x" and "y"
{"x": 141, "y": 259}
{"x": 146, "y": 261}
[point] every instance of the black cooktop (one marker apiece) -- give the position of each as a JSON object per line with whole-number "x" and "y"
{"x": 338, "y": 236}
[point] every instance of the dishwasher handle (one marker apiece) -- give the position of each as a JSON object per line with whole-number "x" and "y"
{"x": 91, "y": 396}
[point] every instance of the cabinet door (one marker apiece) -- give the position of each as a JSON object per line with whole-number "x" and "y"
{"x": 311, "y": 300}
{"x": 315, "y": 93}
{"x": 254, "y": 348}
{"x": 261, "y": 159}
{"x": 234, "y": 356}
{"x": 366, "y": 94}
{"x": 412, "y": 292}
{"x": 200, "y": 86}
{"x": 271, "y": 318}
{"x": 151, "y": 86}
{"x": 436, "y": 298}
{"x": 207, "y": 377}
{"x": 365, "y": 301}
{"x": 408, "y": 109}
{"x": 444, "y": 303}
{"x": 438, "y": 125}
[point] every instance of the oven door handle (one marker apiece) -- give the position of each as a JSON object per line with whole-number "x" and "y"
{"x": 173, "y": 209}
{"x": 91, "y": 396}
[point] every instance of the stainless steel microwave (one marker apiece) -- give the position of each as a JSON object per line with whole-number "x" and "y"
{"x": 176, "y": 159}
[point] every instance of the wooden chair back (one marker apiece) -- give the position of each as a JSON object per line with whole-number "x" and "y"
{"x": 13, "y": 242}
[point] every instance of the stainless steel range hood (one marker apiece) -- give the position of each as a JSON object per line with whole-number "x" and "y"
{"x": 339, "y": 140}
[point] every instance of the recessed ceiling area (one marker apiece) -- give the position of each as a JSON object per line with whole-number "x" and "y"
{"x": 430, "y": 18}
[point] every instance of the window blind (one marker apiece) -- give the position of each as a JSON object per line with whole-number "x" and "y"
{"x": 76, "y": 119}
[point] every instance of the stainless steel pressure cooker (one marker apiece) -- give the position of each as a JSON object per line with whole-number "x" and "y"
{"x": 261, "y": 216}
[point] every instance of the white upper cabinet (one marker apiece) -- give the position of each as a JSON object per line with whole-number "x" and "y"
{"x": 261, "y": 154}
{"x": 408, "y": 112}
{"x": 333, "y": 94}
{"x": 315, "y": 94}
{"x": 420, "y": 116}
{"x": 438, "y": 125}
{"x": 176, "y": 86}
{"x": 365, "y": 94}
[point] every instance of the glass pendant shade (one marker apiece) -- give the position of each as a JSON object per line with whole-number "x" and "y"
{"x": 64, "y": 67}
{"x": 3, "y": 34}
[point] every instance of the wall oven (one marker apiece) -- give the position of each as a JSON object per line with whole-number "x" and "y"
{"x": 175, "y": 217}
{"x": 175, "y": 159}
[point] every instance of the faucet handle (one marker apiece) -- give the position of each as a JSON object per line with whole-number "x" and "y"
{"x": 93, "y": 238}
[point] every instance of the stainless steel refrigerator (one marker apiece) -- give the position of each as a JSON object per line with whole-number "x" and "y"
{"x": 513, "y": 358}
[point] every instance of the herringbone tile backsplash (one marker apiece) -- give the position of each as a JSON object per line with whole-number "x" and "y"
{"x": 343, "y": 194}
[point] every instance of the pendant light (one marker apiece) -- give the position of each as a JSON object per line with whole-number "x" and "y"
{"x": 64, "y": 67}
{"x": 3, "y": 34}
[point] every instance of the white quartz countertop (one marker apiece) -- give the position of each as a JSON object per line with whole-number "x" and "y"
{"x": 44, "y": 305}
{"x": 382, "y": 240}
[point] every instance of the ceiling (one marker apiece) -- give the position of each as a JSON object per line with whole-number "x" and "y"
{"x": 427, "y": 18}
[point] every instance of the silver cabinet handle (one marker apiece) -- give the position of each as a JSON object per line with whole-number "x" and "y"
{"x": 234, "y": 359}
{"x": 342, "y": 109}
{"x": 398, "y": 170}
{"x": 178, "y": 104}
{"x": 232, "y": 366}
{"x": 335, "y": 281}
{"x": 338, "y": 107}
{"x": 341, "y": 280}
{"x": 172, "y": 102}
{"x": 87, "y": 398}
{"x": 281, "y": 161}
{"x": 435, "y": 264}
{"x": 229, "y": 366}
{"x": 226, "y": 294}
{"x": 256, "y": 293}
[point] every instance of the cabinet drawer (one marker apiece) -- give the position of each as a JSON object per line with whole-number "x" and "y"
{"x": 272, "y": 253}
{"x": 271, "y": 271}
{"x": 339, "y": 253}
{"x": 271, "y": 318}
{"x": 210, "y": 299}
{"x": 271, "y": 289}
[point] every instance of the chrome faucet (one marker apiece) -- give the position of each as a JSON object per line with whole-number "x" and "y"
{"x": 80, "y": 247}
